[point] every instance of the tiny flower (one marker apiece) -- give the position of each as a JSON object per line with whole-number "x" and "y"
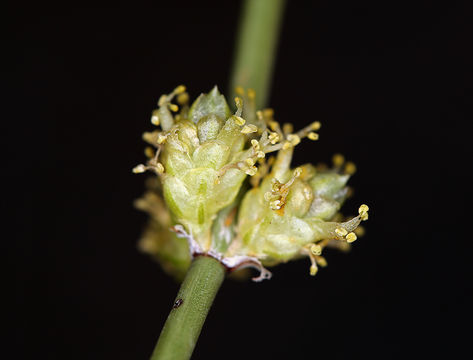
{"x": 205, "y": 153}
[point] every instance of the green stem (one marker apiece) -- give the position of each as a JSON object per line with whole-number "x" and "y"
{"x": 256, "y": 47}
{"x": 184, "y": 323}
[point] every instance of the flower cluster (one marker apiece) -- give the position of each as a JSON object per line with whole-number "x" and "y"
{"x": 203, "y": 155}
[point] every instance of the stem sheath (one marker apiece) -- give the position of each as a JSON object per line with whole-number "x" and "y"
{"x": 193, "y": 301}
{"x": 256, "y": 47}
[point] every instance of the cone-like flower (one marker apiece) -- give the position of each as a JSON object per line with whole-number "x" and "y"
{"x": 202, "y": 157}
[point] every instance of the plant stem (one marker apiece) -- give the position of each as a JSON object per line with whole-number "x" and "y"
{"x": 256, "y": 47}
{"x": 184, "y": 323}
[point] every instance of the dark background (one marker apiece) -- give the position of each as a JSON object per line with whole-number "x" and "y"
{"x": 390, "y": 83}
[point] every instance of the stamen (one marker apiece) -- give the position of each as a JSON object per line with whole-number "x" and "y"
{"x": 248, "y": 129}
{"x": 351, "y": 237}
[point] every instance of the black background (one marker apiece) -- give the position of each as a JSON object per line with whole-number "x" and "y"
{"x": 390, "y": 83}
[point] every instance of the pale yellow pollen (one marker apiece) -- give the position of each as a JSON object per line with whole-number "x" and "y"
{"x": 351, "y": 237}
{"x": 250, "y": 161}
{"x": 179, "y": 90}
{"x": 313, "y": 136}
{"x": 321, "y": 261}
{"x": 255, "y": 144}
{"x": 363, "y": 211}
{"x": 315, "y": 125}
{"x": 269, "y": 113}
{"x": 294, "y": 139}
{"x": 274, "y": 138}
{"x": 183, "y": 98}
{"x": 251, "y": 94}
{"x": 341, "y": 231}
{"x": 139, "y": 169}
{"x": 313, "y": 270}
{"x": 239, "y": 120}
{"x": 273, "y": 125}
{"x": 161, "y": 138}
{"x": 248, "y": 129}
{"x": 239, "y": 91}
{"x": 149, "y": 152}
{"x": 338, "y": 160}
{"x": 316, "y": 249}
{"x": 286, "y": 145}
{"x": 360, "y": 231}
{"x": 173, "y": 107}
{"x": 350, "y": 168}
{"x": 162, "y": 100}
{"x": 155, "y": 120}
{"x": 260, "y": 154}
{"x": 287, "y": 128}
{"x": 238, "y": 102}
{"x": 297, "y": 172}
{"x": 251, "y": 171}
{"x": 259, "y": 114}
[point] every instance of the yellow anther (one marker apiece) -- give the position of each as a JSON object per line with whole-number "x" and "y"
{"x": 238, "y": 102}
{"x": 173, "y": 107}
{"x": 161, "y": 138}
{"x": 297, "y": 172}
{"x": 179, "y": 90}
{"x": 268, "y": 113}
{"x": 313, "y": 136}
{"x": 287, "y": 128}
{"x": 183, "y": 98}
{"x": 239, "y": 91}
{"x": 350, "y": 168}
{"x": 341, "y": 231}
{"x": 251, "y": 94}
{"x": 259, "y": 114}
{"x": 313, "y": 270}
{"x": 363, "y": 211}
{"x": 338, "y": 160}
{"x": 255, "y": 144}
{"x": 260, "y": 154}
{"x": 251, "y": 171}
{"x": 239, "y": 120}
{"x": 360, "y": 231}
{"x": 316, "y": 249}
{"x": 274, "y": 138}
{"x": 149, "y": 152}
{"x": 321, "y": 261}
{"x": 315, "y": 125}
{"x": 155, "y": 120}
{"x": 162, "y": 100}
{"x": 273, "y": 125}
{"x": 351, "y": 237}
{"x": 294, "y": 139}
{"x": 286, "y": 145}
{"x": 139, "y": 169}
{"x": 248, "y": 129}
{"x": 250, "y": 161}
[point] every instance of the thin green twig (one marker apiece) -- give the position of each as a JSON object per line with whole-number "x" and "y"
{"x": 256, "y": 47}
{"x": 193, "y": 302}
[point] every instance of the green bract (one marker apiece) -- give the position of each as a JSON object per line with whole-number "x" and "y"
{"x": 203, "y": 156}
